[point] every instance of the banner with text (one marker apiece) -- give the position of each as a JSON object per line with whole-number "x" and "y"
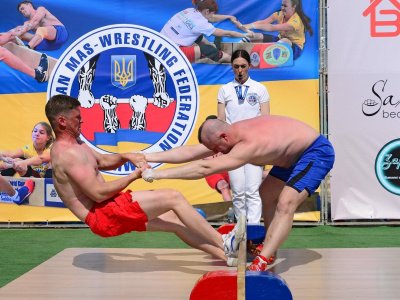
{"x": 138, "y": 90}
{"x": 364, "y": 110}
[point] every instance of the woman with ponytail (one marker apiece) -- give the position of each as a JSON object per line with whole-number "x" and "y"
{"x": 291, "y": 22}
{"x": 33, "y": 159}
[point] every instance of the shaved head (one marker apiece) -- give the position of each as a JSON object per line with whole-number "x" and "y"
{"x": 213, "y": 134}
{"x": 211, "y": 127}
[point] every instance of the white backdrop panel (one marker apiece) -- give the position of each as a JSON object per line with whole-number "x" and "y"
{"x": 363, "y": 69}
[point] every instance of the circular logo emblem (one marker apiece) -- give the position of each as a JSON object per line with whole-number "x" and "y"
{"x": 254, "y": 59}
{"x": 387, "y": 166}
{"x": 138, "y": 91}
{"x": 252, "y": 98}
{"x": 276, "y": 54}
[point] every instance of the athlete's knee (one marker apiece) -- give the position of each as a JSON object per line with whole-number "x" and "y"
{"x": 173, "y": 195}
{"x": 42, "y": 32}
{"x": 210, "y": 52}
{"x": 3, "y": 53}
{"x": 286, "y": 206}
{"x": 171, "y": 218}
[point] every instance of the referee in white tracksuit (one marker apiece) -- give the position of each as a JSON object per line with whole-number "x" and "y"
{"x": 241, "y": 99}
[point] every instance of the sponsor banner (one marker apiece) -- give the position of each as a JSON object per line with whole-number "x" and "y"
{"x": 137, "y": 90}
{"x": 51, "y": 198}
{"x": 387, "y": 167}
{"x": 44, "y": 193}
{"x": 16, "y": 184}
{"x": 364, "y": 110}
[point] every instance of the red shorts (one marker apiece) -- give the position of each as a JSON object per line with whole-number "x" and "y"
{"x": 212, "y": 180}
{"x": 116, "y": 216}
{"x": 189, "y": 52}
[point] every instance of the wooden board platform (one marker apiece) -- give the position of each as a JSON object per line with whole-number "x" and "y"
{"x": 340, "y": 274}
{"x": 30, "y": 56}
{"x": 77, "y": 273}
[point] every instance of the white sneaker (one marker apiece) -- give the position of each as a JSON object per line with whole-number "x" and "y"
{"x": 232, "y": 262}
{"x": 232, "y": 239}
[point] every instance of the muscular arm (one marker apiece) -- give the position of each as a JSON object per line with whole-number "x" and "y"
{"x": 80, "y": 171}
{"x": 200, "y": 168}
{"x": 13, "y": 154}
{"x": 230, "y": 33}
{"x": 31, "y": 24}
{"x": 39, "y": 15}
{"x": 180, "y": 154}
{"x": 32, "y": 161}
{"x": 262, "y": 24}
{"x": 274, "y": 27}
{"x": 219, "y": 18}
{"x": 20, "y": 29}
{"x": 113, "y": 161}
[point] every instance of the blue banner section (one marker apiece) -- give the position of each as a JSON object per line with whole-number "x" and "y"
{"x": 125, "y": 135}
{"x": 80, "y": 17}
{"x": 51, "y": 198}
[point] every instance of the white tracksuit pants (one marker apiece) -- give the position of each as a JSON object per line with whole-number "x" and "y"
{"x": 245, "y": 182}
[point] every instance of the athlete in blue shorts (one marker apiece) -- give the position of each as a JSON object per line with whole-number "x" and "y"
{"x": 60, "y": 39}
{"x": 311, "y": 168}
{"x": 300, "y": 155}
{"x": 42, "y": 30}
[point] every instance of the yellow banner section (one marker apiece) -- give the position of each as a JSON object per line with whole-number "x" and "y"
{"x": 19, "y": 113}
{"x": 14, "y": 213}
{"x": 296, "y": 98}
{"x": 314, "y": 216}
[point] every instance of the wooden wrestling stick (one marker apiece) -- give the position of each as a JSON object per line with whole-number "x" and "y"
{"x": 241, "y": 270}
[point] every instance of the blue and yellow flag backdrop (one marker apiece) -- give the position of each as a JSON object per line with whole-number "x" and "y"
{"x": 137, "y": 89}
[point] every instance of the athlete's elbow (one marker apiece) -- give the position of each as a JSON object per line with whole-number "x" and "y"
{"x": 203, "y": 172}
{"x": 99, "y": 196}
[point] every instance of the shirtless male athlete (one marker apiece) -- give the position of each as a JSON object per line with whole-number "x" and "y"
{"x": 300, "y": 155}
{"x": 110, "y": 212}
{"x": 49, "y": 32}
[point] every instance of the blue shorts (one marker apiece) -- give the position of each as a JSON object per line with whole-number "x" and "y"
{"x": 310, "y": 169}
{"x": 61, "y": 38}
{"x": 268, "y": 38}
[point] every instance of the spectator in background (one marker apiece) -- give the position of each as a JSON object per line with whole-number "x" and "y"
{"x": 291, "y": 22}
{"x": 32, "y": 159}
{"x": 241, "y": 99}
{"x": 48, "y": 32}
{"x": 220, "y": 182}
{"x": 188, "y": 27}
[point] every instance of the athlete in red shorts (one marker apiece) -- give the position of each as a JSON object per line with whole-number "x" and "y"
{"x": 100, "y": 203}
